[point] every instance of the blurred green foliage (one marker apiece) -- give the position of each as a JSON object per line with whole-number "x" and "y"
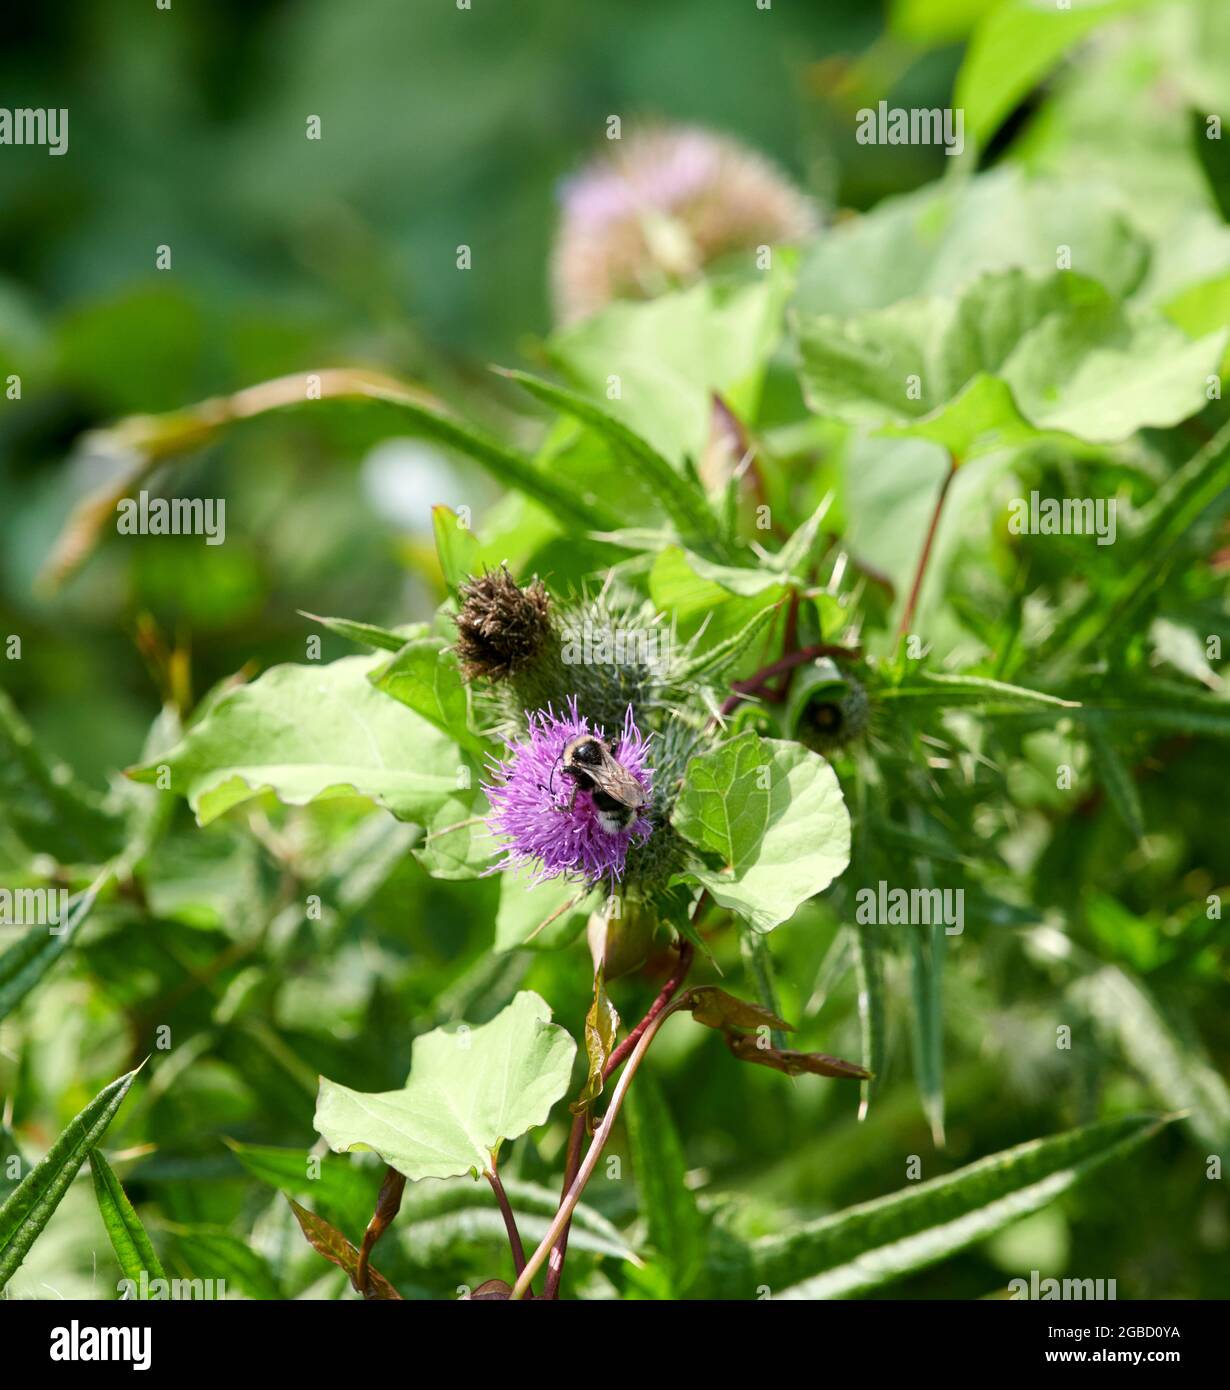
{"x": 443, "y": 127}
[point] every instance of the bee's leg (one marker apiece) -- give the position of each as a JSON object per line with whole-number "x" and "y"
{"x": 572, "y": 800}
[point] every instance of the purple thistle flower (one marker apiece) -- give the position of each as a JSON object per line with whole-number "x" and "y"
{"x": 529, "y": 802}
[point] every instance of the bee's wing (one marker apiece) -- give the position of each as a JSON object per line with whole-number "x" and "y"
{"x": 617, "y": 781}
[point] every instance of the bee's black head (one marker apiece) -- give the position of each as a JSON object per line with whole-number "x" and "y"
{"x": 588, "y": 752}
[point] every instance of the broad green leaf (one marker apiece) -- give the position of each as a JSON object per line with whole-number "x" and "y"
{"x": 31, "y": 1205}
{"x": 1014, "y": 47}
{"x": 542, "y": 916}
{"x": 1014, "y": 358}
{"x": 936, "y": 241}
{"x": 877, "y": 1241}
{"x": 773, "y": 813}
{"x": 457, "y": 843}
{"x": 673, "y": 1220}
{"x": 469, "y": 1090}
{"x": 689, "y": 588}
{"x": 670, "y": 354}
{"x": 129, "y": 1240}
{"x": 425, "y": 676}
{"x": 306, "y": 733}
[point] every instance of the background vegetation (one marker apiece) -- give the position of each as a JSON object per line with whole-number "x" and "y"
{"x": 1088, "y": 907}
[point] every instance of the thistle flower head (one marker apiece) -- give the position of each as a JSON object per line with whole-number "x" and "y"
{"x": 501, "y": 628}
{"x": 658, "y": 208}
{"x": 530, "y": 798}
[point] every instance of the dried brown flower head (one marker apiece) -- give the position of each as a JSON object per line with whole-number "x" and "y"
{"x": 654, "y": 211}
{"x": 501, "y": 627}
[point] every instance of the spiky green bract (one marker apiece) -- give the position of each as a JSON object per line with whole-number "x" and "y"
{"x": 827, "y": 724}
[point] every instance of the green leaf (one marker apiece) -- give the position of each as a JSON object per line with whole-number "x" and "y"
{"x": 671, "y": 353}
{"x": 129, "y": 1240}
{"x": 1116, "y": 779}
{"x": 673, "y": 1220}
{"x": 43, "y": 801}
{"x": 712, "y": 661}
{"x": 774, "y": 814}
{"x": 541, "y": 916}
{"x": 425, "y": 676}
{"x": 306, "y": 733}
{"x": 877, "y": 1241}
{"x": 1013, "y": 48}
{"x": 33, "y": 1202}
{"x": 1176, "y": 1067}
{"x": 340, "y": 1186}
{"x": 681, "y": 498}
{"x": 939, "y": 239}
{"x": 1013, "y": 359}
{"x": 469, "y": 1089}
{"x": 457, "y": 547}
{"x": 367, "y": 634}
{"x": 25, "y": 962}
{"x": 217, "y": 1255}
{"x": 940, "y": 689}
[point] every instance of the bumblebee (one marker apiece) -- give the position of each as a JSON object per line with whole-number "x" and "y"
{"x": 591, "y": 764}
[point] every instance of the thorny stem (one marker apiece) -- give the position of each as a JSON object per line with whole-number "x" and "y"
{"x": 572, "y": 1163}
{"x": 585, "y": 1172}
{"x": 907, "y": 616}
{"x": 388, "y": 1204}
{"x": 510, "y": 1221}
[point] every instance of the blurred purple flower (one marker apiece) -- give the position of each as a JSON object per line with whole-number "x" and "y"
{"x": 529, "y": 799}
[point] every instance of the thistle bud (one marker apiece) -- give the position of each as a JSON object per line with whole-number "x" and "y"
{"x": 501, "y": 627}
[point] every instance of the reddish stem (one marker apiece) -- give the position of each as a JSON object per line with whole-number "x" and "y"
{"x": 756, "y": 684}
{"x": 510, "y": 1221}
{"x": 576, "y": 1137}
{"x": 907, "y": 617}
